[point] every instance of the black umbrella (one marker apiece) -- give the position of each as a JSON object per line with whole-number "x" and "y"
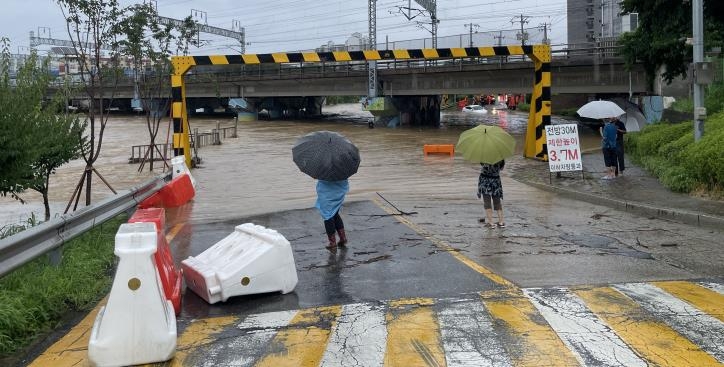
{"x": 326, "y": 155}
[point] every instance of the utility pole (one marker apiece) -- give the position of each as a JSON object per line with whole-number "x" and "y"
{"x": 428, "y": 5}
{"x": 523, "y": 21}
{"x": 372, "y": 24}
{"x": 236, "y": 27}
{"x": 699, "y": 109}
{"x": 500, "y": 37}
{"x": 545, "y": 27}
{"x": 471, "y": 25}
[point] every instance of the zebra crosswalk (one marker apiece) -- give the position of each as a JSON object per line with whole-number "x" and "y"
{"x": 671, "y": 323}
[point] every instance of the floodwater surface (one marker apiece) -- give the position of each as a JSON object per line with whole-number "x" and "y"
{"x": 254, "y": 173}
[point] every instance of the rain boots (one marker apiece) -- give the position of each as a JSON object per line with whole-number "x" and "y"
{"x": 332, "y": 245}
{"x": 342, "y": 237}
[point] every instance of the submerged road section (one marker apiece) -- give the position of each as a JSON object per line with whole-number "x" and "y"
{"x": 402, "y": 295}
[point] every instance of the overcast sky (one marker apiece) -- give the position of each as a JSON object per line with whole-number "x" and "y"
{"x": 274, "y": 26}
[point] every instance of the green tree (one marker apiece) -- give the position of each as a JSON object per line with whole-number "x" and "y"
{"x": 15, "y": 134}
{"x": 40, "y": 139}
{"x": 57, "y": 148}
{"x": 662, "y": 29}
{"x": 91, "y": 28}
{"x": 150, "y": 43}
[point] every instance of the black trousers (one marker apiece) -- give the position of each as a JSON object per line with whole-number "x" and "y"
{"x": 331, "y": 225}
{"x": 620, "y": 166}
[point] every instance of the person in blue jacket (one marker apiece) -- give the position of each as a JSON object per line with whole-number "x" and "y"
{"x": 330, "y": 196}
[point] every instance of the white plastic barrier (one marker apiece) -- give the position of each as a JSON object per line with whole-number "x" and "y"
{"x": 251, "y": 260}
{"x": 138, "y": 324}
{"x": 179, "y": 168}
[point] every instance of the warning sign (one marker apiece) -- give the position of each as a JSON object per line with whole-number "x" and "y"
{"x": 564, "y": 148}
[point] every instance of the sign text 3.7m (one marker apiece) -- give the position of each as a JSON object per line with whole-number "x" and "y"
{"x": 564, "y": 148}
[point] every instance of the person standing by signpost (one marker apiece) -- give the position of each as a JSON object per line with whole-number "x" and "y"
{"x": 608, "y": 145}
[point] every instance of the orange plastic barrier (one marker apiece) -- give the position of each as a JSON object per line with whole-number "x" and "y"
{"x": 439, "y": 148}
{"x": 168, "y": 272}
{"x": 176, "y": 193}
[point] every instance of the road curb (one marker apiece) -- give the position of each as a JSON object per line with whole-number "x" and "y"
{"x": 686, "y": 217}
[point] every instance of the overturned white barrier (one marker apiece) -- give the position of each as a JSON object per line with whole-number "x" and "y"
{"x": 138, "y": 324}
{"x": 251, "y": 260}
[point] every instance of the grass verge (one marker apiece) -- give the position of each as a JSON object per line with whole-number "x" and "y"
{"x": 669, "y": 152}
{"x": 35, "y": 298}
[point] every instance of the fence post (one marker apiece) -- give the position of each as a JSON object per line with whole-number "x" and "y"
{"x": 216, "y": 133}
{"x": 196, "y": 145}
{"x": 236, "y": 124}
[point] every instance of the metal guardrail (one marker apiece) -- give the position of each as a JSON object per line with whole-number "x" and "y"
{"x": 27, "y": 245}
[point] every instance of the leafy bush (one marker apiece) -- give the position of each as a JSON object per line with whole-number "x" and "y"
{"x": 713, "y": 100}
{"x": 669, "y": 152}
{"x": 705, "y": 159}
{"x": 35, "y": 298}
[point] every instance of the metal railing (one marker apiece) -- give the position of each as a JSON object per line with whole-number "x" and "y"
{"x": 21, "y": 248}
{"x": 140, "y": 152}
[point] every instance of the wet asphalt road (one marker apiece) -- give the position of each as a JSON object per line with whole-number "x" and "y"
{"x": 436, "y": 287}
{"x": 384, "y": 260}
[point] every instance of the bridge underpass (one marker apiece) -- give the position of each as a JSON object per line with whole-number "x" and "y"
{"x": 572, "y": 81}
{"x": 420, "y": 109}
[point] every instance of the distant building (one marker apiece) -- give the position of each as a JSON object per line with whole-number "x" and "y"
{"x": 591, "y": 22}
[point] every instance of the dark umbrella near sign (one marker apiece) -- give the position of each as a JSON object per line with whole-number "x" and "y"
{"x": 326, "y": 155}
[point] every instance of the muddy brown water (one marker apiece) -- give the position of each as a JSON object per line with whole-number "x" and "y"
{"x": 255, "y": 174}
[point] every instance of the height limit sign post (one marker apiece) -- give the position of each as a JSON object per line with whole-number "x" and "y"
{"x": 564, "y": 149}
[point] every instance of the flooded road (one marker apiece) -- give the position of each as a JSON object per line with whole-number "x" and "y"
{"x": 255, "y": 174}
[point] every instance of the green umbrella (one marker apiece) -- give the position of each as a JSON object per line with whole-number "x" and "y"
{"x": 485, "y": 144}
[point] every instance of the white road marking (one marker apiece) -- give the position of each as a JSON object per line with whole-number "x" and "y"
{"x": 359, "y": 337}
{"x": 247, "y": 345}
{"x": 716, "y": 287}
{"x": 703, "y": 330}
{"x": 467, "y": 335}
{"x": 591, "y": 340}
{"x": 269, "y": 320}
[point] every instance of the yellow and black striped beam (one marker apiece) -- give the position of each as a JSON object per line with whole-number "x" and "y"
{"x": 183, "y": 63}
{"x": 540, "y": 103}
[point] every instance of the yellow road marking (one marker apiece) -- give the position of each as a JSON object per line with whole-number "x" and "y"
{"x": 413, "y": 335}
{"x": 700, "y": 297}
{"x": 651, "y": 339}
{"x": 446, "y": 247}
{"x": 174, "y": 231}
{"x": 303, "y": 343}
{"x": 531, "y": 341}
{"x": 197, "y": 334}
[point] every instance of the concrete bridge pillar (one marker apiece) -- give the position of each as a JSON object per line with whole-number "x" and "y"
{"x": 313, "y": 106}
{"x": 418, "y": 110}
